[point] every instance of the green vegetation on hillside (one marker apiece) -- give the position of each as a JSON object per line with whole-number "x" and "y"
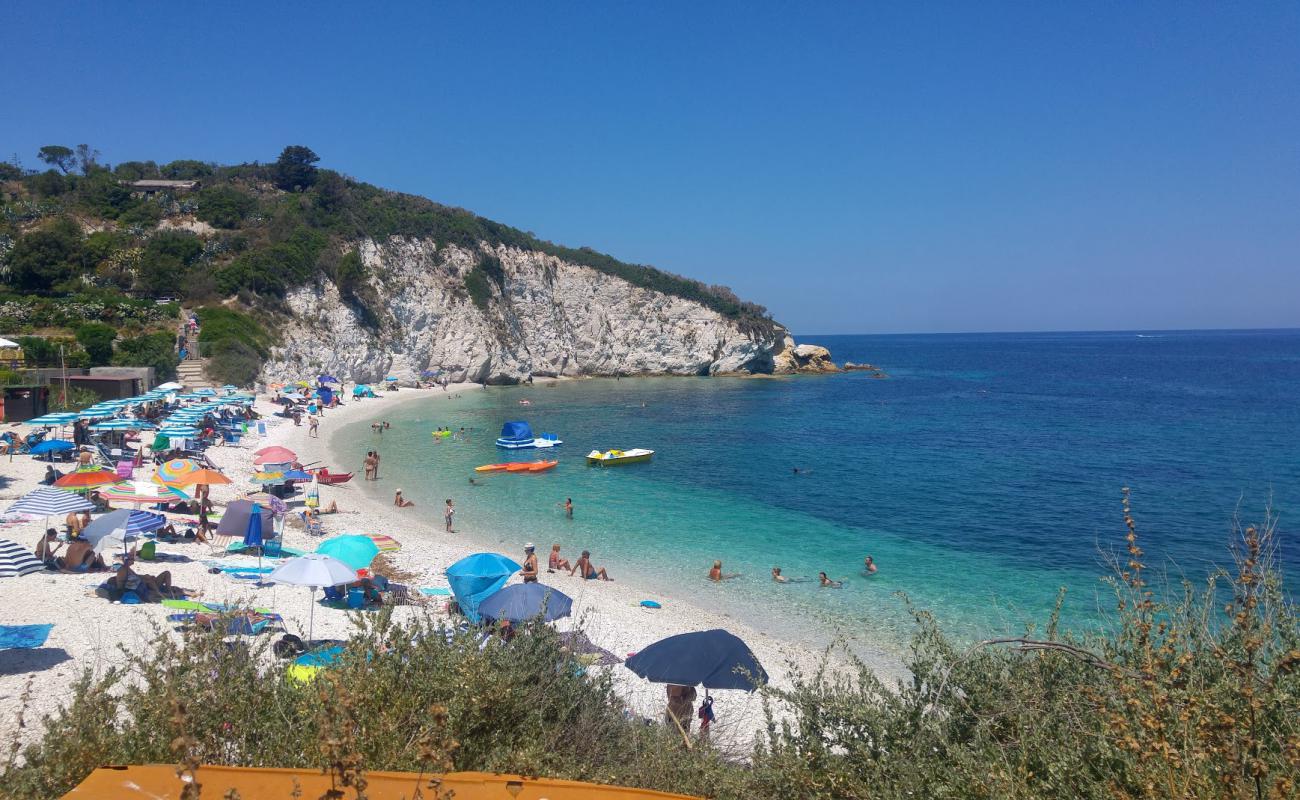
{"x": 1194, "y": 697}
{"x": 249, "y": 232}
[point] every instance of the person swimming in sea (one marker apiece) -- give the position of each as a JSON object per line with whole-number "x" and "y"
{"x": 868, "y": 567}
{"x": 827, "y": 583}
{"x": 777, "y": 576}
{"x": 716, "y": 575}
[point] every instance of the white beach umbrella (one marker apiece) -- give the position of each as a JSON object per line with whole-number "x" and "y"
{"x": 16, "y": 560}
{"x": 47, "y": 501}
{"x": 314, "y": 570}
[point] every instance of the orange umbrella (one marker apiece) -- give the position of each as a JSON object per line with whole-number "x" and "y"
{"x": 88, "y": 479}
{"x": 206, "y": 477}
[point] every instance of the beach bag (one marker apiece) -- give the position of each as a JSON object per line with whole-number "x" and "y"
{"x": 148, "y": 551}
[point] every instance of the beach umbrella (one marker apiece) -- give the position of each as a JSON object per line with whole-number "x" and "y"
{"x": 297, "y": 475}
{"x": 234, "y": 519}
{"x": 170, "y": 386}
{"x": 205, "y": 392}
{"x": 179, "y": 432}
{"x": 391, "y": 379}
{"x": 204, "y": 477}
{"x": 314, "y": 570}
{"x": 477, "y": 577}
{"x": 525, "y": 601}
{"x": 327, "y": 379}
{"x": 172, "y": 471}
{"x": 122, "y": 424}
{"x": 355, "y": 551}
{"x": 52, "y": 446}
{"x": 266, "y": 477}
{"x": 16, "y": 560}
{"x": 123, "y": 525}
{"x": 88, "y": 479}
{"x": 274, "y": 455}
{"x": 51, "y": 420}
{"x": 715, "y": 658}
{"x": 45, "y": 501}
{"x": 140, "y": 493}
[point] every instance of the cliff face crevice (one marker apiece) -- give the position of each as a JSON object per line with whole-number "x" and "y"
{"x": 547, "y": 318}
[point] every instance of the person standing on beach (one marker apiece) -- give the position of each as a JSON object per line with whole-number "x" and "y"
{"x": 681, "y": 707}
{"x": 529, "y": 571}
{"x": 313, "y": 426}
{"x": 377, "y": 457}
{"x": 370, "y": 465}
{"x": 448, "y": 514}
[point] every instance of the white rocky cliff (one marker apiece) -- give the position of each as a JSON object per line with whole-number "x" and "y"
{"x": 548, "y": 318}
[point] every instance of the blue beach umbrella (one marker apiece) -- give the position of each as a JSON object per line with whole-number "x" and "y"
{"x": 52, "y": 446}
{"x": 525, "y": 601}
{"x": 326, "y": 379}
{"x": 47, "y": 501}
{"x": 51, "y": 420}
{"x": 475, "y": 578}
{"x": 354, "y": 550}
{"x": 717, "y": 659}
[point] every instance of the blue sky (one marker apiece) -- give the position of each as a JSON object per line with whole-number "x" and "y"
{"x": 857, "y": 167}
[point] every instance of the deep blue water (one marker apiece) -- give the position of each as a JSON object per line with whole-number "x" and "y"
{"x": 983, "y": 475}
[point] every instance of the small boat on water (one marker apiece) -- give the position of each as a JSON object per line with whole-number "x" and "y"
{"x": 610, "y": 458}
{"x": 326, "y": 477}
{"x": 519, "y": 436}
{"x": 518, "y": 466}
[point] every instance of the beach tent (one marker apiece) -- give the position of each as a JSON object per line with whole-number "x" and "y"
{"x": 325, "y": 394}
{"x": 234, "y": 520}
{"x": 475, "y": 578}
{"x": 362, "y": 390}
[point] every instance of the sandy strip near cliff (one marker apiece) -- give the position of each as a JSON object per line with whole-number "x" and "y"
{"x": 89, "y": 630}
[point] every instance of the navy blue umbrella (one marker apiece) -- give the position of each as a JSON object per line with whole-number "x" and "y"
{"x": 253, "y": 533}
{"x": 715, "y": 658}
{"x": 525, "y": 601}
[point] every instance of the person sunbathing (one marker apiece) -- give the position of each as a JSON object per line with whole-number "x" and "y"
{"x": 589, "y": 570}
{"x": 333, "y": 508}
{"x": 80, "y": 557}
{"x": 555, "y": 561}
{"x": 128, "y": 580}
{"x": 400, "y": 501}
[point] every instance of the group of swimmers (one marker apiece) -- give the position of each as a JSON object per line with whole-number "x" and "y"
{"x": 826, "y": 582}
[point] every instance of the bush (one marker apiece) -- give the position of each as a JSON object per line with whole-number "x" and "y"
{"x": 45, "y": 257}
{"x": 96, "y": 339}
{"x": 150, "y": 350}
{"x": 233, "y": 362}
{"x": 223, "y": 206}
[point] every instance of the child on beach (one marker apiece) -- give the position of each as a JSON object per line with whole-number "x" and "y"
{"x": 448, "y": 514}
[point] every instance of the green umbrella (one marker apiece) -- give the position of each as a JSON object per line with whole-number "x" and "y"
{"x": 355, "y": 551}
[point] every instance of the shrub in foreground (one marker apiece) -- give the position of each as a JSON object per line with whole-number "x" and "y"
{"x": 1194, "y": 697}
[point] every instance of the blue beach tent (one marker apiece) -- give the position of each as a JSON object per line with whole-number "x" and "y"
{"x": 475, "y": 578}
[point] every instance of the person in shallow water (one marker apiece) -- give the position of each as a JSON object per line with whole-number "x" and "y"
{"x": 827, "y": 583}
{"x": 401, "y": 502}
{"x": 869, "y": 566}
{"x": 777, "y": 576}
{"x": 716, "y": 575}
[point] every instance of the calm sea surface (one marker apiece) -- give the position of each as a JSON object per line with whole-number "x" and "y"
{"x": 983, "y": 475}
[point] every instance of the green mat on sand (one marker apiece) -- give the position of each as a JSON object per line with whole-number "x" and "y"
{"x": 285, "y": 552}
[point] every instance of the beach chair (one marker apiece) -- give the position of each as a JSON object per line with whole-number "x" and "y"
{"x": 125, "y": 470}
{"x": 314, "y": 528}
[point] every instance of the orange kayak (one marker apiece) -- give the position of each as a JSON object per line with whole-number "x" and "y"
{"x": 519, "y": 466}
{"x": 542, "y": 466}
{"x": 492, "y": 468}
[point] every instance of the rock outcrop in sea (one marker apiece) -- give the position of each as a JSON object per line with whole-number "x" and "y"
{"x": 545, "y": 317}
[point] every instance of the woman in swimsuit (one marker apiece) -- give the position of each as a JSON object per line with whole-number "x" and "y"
{"x": 556, "y": 562}
{"x": 827, "y": 583}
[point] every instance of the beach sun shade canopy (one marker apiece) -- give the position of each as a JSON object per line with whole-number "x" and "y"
{"x": 274, "y": 455}
{"x": 326, "y": 379}
{"x": 16, "y": 560}
{"x": 172, "y": 471}
{"x": 315, "y": 570}
{"x": 234, "y": 520}
{"x": 88, "y": 479}
{"x": 50, "y": 420}
{"x": 516, "y": 430}
{"x": 525, "y": 601}
{"x": 121, "y": 425}
{"x": 138, "y": 492}
{"x": 120, "y": 527}
{"x": 476, "y": 578}
{"x": 52, "y": 446}
{"x": 46, "y": 502}
{"x": 204, "y": 477}
{"x": 717, "y": 659}
{"x": 355, "y": 551}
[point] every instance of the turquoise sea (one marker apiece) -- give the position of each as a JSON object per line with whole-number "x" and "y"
{"x": 983, "y": 475}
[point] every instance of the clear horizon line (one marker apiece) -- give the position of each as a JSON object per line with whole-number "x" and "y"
{"x": 1051, "y": 330}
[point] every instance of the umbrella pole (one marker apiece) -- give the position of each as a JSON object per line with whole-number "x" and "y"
{"x": 311, "y": 616}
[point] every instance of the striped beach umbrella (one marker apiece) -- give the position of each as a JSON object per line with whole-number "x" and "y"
{"x": 51, "y": 420}
{"x": 16, "y": 560}
{"x": 266, "y": 477}
{"x": 45, "y": 501}
{"x": 122, "y": 526}
{"x": 172, "y": 471}
{"x": 179, "y": 432}
{"x": 88, "y": 479}
{"x": 139, "y": 493}
{"x": 122, "y": 424}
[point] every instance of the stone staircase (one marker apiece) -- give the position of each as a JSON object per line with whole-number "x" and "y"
{"x": 190, "y": 372}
